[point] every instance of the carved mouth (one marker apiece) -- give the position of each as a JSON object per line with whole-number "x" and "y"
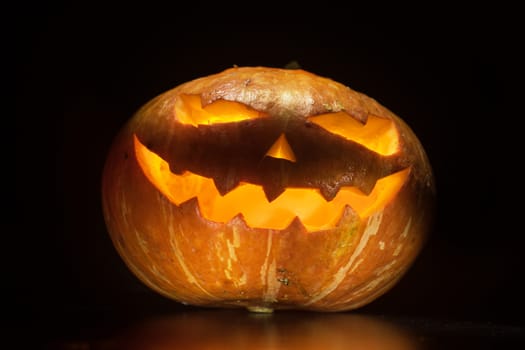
{"x": 250, "y": 202}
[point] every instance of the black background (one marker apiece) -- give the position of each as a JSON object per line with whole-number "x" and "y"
{"x": 82, "y": 71}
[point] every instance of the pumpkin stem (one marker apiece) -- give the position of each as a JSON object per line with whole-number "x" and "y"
{"x": 292, "y": 65}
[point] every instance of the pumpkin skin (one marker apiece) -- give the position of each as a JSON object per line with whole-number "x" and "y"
{"x": 288, "y": 138}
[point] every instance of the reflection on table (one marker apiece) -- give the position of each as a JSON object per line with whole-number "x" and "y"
{"x": 238, "y": 329}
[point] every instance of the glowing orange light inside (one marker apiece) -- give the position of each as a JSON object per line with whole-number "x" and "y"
{"x": 378, "y": 134}
{"x": 281, "y": 149}
{"x": 189, "y": 110}
{"x": 249, "y": 200}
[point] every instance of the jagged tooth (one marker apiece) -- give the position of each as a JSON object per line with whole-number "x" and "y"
{"x": 225, "y": 184}
{"x": 328, "y": 191}
{"x": 297, "y": 226}
{"x": 367, "y": 185}
{"x": 273, "y": 191}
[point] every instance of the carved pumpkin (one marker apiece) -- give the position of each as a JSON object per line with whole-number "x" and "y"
{"x": 267, "y": 189}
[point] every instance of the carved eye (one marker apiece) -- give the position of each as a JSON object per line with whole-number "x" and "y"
{"x": 378, "y": 134}
{"x": 189, "y": 110}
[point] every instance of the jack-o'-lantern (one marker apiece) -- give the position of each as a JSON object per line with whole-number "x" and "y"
{"x": 268, "y": 189}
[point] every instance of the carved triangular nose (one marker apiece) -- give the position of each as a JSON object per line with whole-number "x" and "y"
{"x": 281, "y": 149}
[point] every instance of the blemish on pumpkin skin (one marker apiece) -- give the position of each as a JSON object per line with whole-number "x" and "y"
{"x": 284, "y": 281}
{"x": 288, "y": 278}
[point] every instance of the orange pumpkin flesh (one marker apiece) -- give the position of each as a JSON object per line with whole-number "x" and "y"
{"x": 267, "y": 189}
